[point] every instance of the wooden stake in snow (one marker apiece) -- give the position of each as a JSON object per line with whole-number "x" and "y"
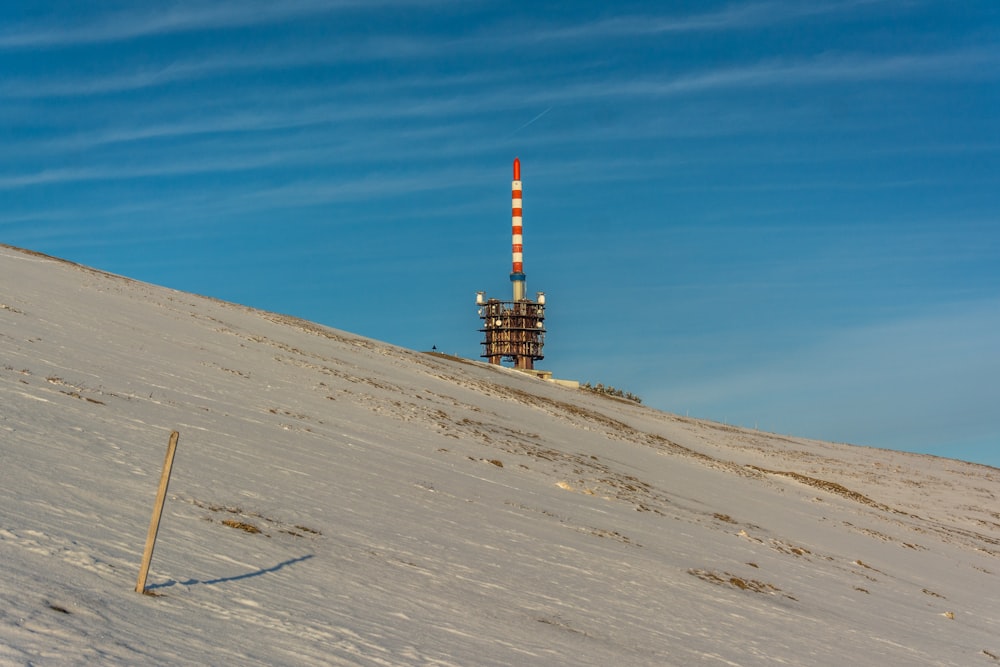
{"x": 154, "y": 524}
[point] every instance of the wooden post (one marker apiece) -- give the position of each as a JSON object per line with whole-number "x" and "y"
{"x": 154, "y": 524}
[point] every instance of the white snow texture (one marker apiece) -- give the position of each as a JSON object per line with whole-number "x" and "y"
{"x": 340, "y": 501}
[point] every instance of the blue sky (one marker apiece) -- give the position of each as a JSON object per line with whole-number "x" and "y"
{"x": 772, "y": 213}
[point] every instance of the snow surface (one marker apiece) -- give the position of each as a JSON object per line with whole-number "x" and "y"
{"x": 415, "y": 509}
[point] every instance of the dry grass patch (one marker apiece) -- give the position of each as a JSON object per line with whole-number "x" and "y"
{"x": 243, "y": 521}
{"x": 829, "y": 486}
{"x": 241, "y": 525}
{"x": 729, "y": 579}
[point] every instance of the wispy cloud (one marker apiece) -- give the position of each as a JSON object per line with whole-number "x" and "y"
{"x": 130, "y": 24}
{"x": 973, "y": 63}
{"x": 124, "y": 81}
{"x": 733, "y": 17}
{"x": 829, "y": 68}
{"x": 396, "y": 47}
{"x": 274, "y": 58}
{"x": 282, "y": 153}
{"x": 188, "y": 17}
{"x": 153, "y": 76}
{"x": 179, "y": 18}
{"x": 103, "y": 173}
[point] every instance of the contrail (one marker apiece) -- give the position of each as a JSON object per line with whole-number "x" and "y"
{"x": 530, "y": 122}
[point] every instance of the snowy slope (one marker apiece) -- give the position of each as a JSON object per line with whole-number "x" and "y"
{"x": 414, "y": 509}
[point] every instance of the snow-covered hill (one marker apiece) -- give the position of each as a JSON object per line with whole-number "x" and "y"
{"x": 336, "y": 500}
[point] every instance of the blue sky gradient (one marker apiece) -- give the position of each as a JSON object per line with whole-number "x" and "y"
{"x": 772, "y": 213}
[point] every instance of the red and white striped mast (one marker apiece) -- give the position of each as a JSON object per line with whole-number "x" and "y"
{"x": 517, "y": 277}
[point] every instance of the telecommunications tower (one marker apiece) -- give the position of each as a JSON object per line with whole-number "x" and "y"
{"x": 514, "y": 330}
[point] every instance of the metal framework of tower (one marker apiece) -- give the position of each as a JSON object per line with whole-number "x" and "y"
{"x": 514, "y": 330}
